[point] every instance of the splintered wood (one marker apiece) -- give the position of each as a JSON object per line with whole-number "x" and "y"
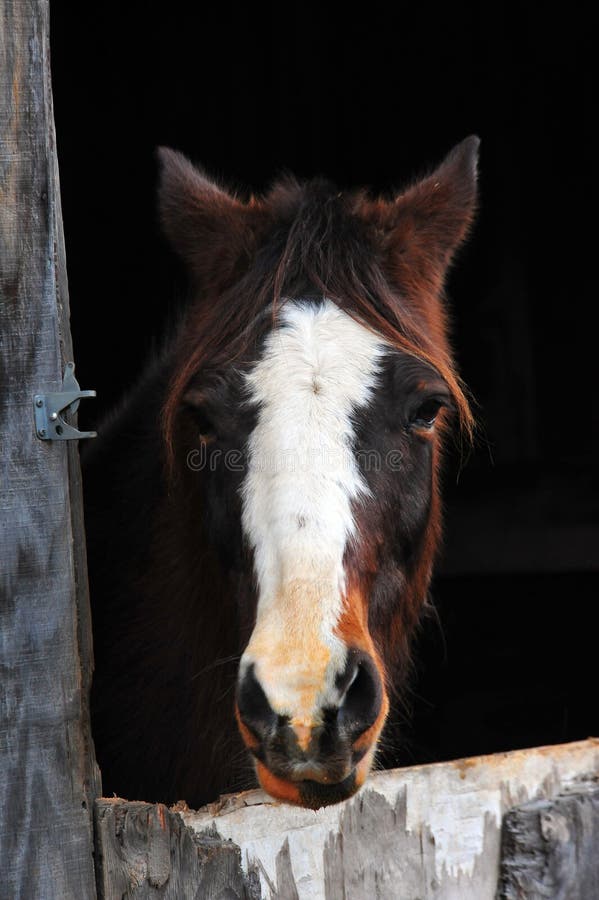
{"x": 430, "y": 832}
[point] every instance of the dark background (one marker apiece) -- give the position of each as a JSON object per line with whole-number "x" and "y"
{"x": 372, "y": 98}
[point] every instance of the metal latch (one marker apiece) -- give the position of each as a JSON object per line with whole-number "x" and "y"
{"x": 50, "y": 410}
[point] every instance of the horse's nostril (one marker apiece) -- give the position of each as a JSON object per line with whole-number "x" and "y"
{"x": 254, "y": 709}
{"x": 363, "y": 698}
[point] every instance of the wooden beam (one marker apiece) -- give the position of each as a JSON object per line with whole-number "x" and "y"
{"x": 551, "y": 848}
{"x": 428, "y": 831}
{"x": 48, "y": 777}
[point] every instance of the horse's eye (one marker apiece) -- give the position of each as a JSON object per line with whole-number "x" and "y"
{"x": 205, "y": 427}
{"x": 194, "y": 402}
{"x": 425, "y": 415}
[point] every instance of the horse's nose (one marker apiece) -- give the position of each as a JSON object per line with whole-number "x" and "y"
{"x": 328, "y": 745}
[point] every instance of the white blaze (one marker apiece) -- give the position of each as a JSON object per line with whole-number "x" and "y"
{"x": 317, "y": 368}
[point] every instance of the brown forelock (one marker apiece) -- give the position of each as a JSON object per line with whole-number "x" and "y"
{"x": 345, "y": 247}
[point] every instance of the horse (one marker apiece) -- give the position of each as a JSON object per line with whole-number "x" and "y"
{"x": 263, "y": 509}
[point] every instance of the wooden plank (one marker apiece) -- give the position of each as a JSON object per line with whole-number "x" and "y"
{"x": 550, "y": 849}
{"x": 92, "y": 780}
{"x": 429, "y": 831}
{"x": 47, "y": 772}
{"x": 144, "y": 851}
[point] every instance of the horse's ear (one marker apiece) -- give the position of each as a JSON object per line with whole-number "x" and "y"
{"x": 426, "y": 223}
{"x": 211, "y": 230}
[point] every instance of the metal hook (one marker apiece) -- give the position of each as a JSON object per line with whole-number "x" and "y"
{"x": 50, "y": 408}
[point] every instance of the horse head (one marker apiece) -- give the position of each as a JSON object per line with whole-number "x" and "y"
{"x": 315, "y": 384}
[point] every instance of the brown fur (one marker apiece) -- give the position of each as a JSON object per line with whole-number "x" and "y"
{"x": 387, "y": 270}
{"x": 172, "y": 590}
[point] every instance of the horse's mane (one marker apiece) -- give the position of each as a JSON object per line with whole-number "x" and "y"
{"x": 317, "y": 241}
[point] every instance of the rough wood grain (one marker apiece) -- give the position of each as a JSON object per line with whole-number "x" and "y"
{"x": 550, "y": 849}
{"x": 47, "y": 772}
{"x": 424, "y": 832}
{"x": 144, "y": 851}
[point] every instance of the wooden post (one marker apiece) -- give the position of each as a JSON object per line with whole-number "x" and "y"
{"x": 145, "y": 850}
{"x": 550, "y": 848}
{"x": 48, "y": 777}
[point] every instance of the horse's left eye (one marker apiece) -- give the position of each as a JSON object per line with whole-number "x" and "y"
{"x": 425, "y": 415}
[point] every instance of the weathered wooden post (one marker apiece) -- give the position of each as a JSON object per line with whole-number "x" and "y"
{"x": 48, "y": 777}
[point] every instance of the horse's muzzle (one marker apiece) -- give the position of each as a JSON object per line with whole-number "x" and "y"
{"x": 323, "y": 763}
